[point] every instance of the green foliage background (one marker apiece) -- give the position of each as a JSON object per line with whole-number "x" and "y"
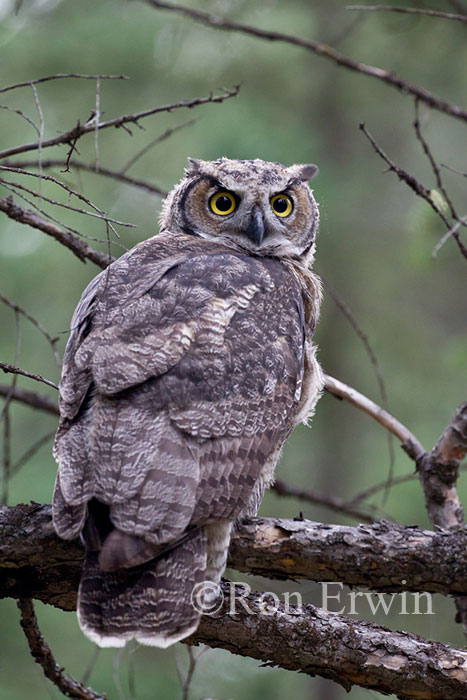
{"x": 374, "y": 248}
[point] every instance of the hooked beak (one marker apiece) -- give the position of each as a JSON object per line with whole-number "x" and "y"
{"x": 255, "y": 230}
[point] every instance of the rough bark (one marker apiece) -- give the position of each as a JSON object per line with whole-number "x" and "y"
{"x": 317, "y": 642}
{"x": 35, "y": 563}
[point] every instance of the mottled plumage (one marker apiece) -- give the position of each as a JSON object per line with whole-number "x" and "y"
{"x": 189, "y": 364}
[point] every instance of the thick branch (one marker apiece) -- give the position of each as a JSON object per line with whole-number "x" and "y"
{"x": 313, "y": 641}
{"x": 81, "y": 249}
{"x": 439, "y": 471}
{"x": 320, "y": 49}
{"x": 35, "y": 563}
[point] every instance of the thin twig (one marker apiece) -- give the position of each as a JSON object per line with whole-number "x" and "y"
{"x": 342, "y": 306}
{"x": 99, "y": 215}
{"x": 11, "y": 369}
{"x": 116, "y": 175}
{"x": 453, "y": 170}
{"x": 71, "y": 137}
{"x": 432, "y": 161}
{"x": 24, "y": 116}
{"x": 79, "y": 248}
{"x": 52, "y": 341}
{"x": 320, "y": 49}
{"x": 41, "y": 134}
{"x": 414, "y": 185}
{"x": 410, "y": 443}
{"x": 42, "y": 655}
{"x": 97, "y": 119}
{"x": 333, "y": 503}
{"x": 363, "y": 495}
{"x": 6, "y": 456}
{"x": 58, "y": 76}
{"x": 409, "y": 11}
{"x": 462, "y": 221}
{"x": 159, "y": 139}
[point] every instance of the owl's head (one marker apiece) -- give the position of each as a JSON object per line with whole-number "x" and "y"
{"x": 264, "y": 208}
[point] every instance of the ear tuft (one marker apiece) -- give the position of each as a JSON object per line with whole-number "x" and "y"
{"x": 194, "y": 166}
{"x": 308, "y": 172}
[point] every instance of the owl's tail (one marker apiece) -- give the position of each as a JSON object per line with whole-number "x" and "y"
{"x": 151, "y": 603}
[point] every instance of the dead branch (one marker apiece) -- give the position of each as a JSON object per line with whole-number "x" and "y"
{"x": 114, "y": 174}
{"x": 30, "y": 398}
{"x": 59, "y": 76}
{"x": 11, "y": 369}
{"x": 71, "y": 137}
{"x": 384, "y": 556}
{"x": 439, "y": 471}
{"x": 40, "y": 651}
{"x": 333, "y": 503}
{"x": 409, "y": 11}
{"x": 416, "y": 186}
{"x": 17, "y": 309}
{"x": 313, "y": 641}
{"x": 410, "y": 443}
{"x": 81, "y": 249}
{"x": 320, "y": 49}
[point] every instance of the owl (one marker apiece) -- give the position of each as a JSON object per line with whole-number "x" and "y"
{"x": 190, "y": 362}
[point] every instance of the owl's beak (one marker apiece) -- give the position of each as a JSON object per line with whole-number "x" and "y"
{"x": 255, "y": 230}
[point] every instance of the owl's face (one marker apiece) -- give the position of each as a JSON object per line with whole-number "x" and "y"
{"x": 264, "y": 208}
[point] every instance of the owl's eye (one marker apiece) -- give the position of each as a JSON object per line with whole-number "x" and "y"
{"x": 282, "y": 205}
{"x": 223, "y": 203}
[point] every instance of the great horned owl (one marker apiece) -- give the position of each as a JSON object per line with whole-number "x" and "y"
{"x": 188, "y": 365}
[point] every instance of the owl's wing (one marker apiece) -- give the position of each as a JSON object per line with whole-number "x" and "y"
{"x": 191, "y": 387}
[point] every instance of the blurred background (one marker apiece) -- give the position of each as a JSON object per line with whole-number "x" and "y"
{"x": 374, "y": 249}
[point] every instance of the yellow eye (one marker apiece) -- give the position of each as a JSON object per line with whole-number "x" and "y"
{"x": 223, "y": 203}
{"x": 282, "y": 205}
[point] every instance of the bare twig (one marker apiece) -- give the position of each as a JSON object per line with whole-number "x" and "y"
{"x": 334, "y": 503}
{"x": 395, "y": 481}
{"x": 409, "y": 11}
{"x": 453, "y": 170}
{"x": 99, "y": 215}
{"x": 24, "y": 116}
{"x": 154, "y": 142}
{"x": 323, "y": 50}
{"x": 416, "y": 186}
{"x": 42, "y": 655}
{"x": 344, "y": 308}
{"x": 58, "y": 76}
{"x": 52, "y": 341}
{"x": 116, "y": 175}
{"x": 6, "y": 456}
{"x": 462, "y": 221}
{"x": 432, "y": 161}
{"x": 79, "y": 248}
{"x": 71, "y": 137}
{"x": 11, "y": 369}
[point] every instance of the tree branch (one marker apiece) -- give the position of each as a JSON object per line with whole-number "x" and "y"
{"x": 386, "y": 557}
{"x": 410, "y": 443}
{"x": 89, "y": 167}
{"x": 313, "y": 641}
{"x": 30, "y": 398}
{"x": 334, "y": 503}
{"x": 409, "y": 11}
{"x": 71, "y": 137}
{"x": 319, "y": 49}
{"x": 81, "y": 249}
{"x": 11, "y": 369}
{"x": 42, "y": 655}
{"x": 59, "y": 76}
